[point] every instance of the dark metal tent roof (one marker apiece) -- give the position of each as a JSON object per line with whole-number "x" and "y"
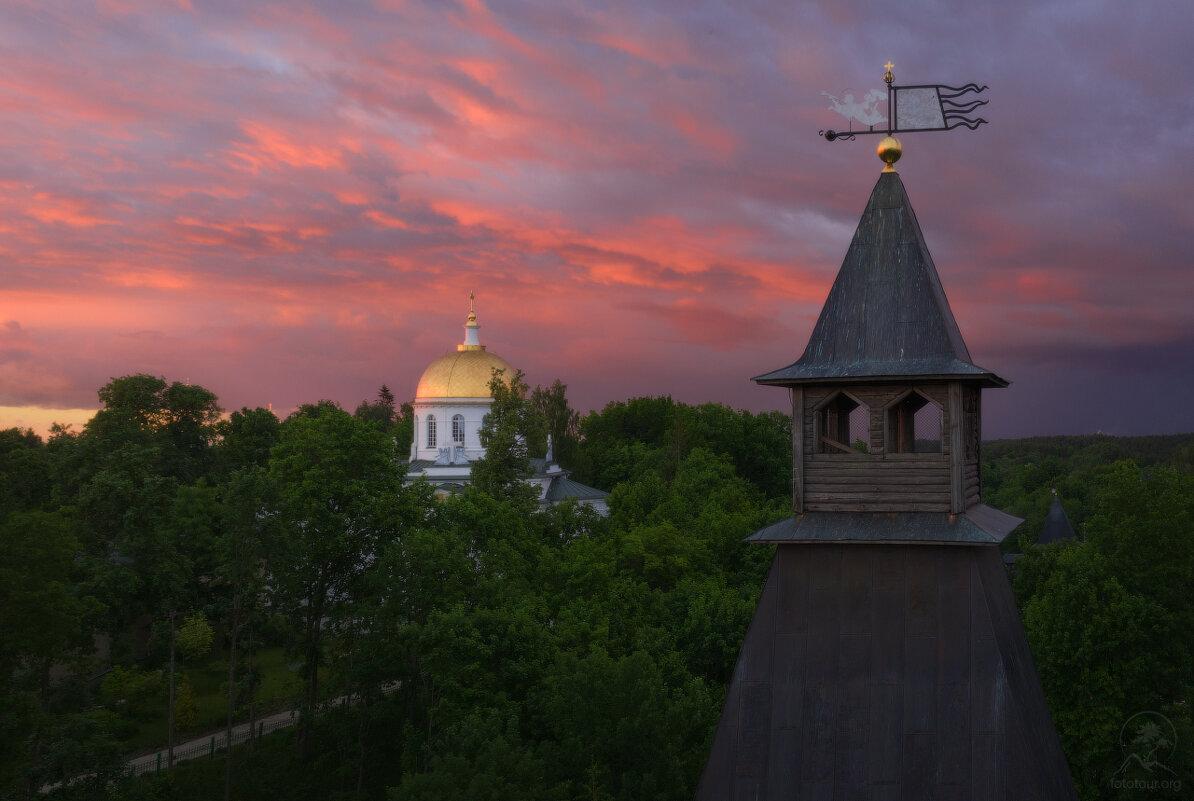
{"x": 1057, "y": 525}
{"x": 886, "y": 316}
{"x": 886, "y": 671}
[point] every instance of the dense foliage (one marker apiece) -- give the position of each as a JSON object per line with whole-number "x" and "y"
{"x": 1108, "y": 615}
{"x": 624, "y": 436}
{"x": 492, "y": 648}
{"x": 1019, "y": 475}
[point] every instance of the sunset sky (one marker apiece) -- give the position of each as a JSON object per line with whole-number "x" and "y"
{"x": 290, "y": 201}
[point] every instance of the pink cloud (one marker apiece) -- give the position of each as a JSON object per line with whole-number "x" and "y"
{"x": 290, "y": 203}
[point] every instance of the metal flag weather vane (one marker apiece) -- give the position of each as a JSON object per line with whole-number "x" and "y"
{"x": 909, "y": 108}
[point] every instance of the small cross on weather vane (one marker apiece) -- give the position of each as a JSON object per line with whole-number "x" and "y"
{"x": 925, "y": 107}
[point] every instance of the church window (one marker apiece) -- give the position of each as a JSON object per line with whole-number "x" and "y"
{"x": 914, "y": 425}
{"x": 458, "y": 429}
{"x": 431, "y": 431}
{"x": 843, "y": 426}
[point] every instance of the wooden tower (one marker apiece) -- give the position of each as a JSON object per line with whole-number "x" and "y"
{"x": 886, "y": 658}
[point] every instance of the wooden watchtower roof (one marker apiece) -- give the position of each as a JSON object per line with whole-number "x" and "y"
{"x": 887, "y": 316}
{"x": 886, "y": 405}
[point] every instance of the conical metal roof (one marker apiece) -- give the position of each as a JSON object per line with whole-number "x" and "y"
{"x": 883, "y": 671}
{"x": 1057, "y": 525}
{"x": 886, "y": 316}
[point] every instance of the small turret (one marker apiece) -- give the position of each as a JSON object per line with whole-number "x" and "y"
{"x": 472, "y": 329}
{"x": 1057, "y": 525}
{"x": 886, "y": 399}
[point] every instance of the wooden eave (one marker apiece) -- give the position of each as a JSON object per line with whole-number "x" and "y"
{"x": 794, "y": 376}
{"x": 979, "y": 525}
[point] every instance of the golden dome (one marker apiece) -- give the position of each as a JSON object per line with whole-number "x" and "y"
{"x": 463, "y": 374}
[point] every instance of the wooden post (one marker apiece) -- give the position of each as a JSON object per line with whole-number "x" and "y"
{"x": 957, "y": 450}
{"x": 797, "y": 394}
{"x": 978, "y": 437}
{"x": 875, "y": 423}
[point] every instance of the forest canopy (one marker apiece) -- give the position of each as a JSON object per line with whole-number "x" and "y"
{"x": 481, "y": 645}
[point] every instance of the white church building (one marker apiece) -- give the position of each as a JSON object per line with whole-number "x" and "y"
{"x": 451, "y": 401}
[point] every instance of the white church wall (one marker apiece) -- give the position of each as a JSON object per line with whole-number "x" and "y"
{"x": 473, "y": 410}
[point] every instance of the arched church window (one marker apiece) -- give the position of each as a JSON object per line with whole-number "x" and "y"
{"x": 914, "y": 425}
{"x": 431, "y": 431}
{"x": 458, "y": 429}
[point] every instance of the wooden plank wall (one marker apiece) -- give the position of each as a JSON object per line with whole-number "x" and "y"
{"x": 878, "y": 481}
{"x": 970, "y": 477}
{"x": 848, "y": 484}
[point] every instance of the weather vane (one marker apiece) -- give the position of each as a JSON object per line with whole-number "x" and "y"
{"x": 909, "y": 108}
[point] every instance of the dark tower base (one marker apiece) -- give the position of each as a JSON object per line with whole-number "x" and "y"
{"x": 886, "y": 672}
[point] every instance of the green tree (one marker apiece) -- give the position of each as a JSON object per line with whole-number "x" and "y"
{"x": 602, "y": 710}
{"x": 195, "y": 636}
{"x": 397, "y": 420}
{"x": 177, "y": 419}
{"x": 26, "y": 480}
{"x": 238, "y": 579}
{"x": 336, "y": 482}
{"x": 404, "y": 428}
{"x": 1094, "y": 644}
{"x": 131, "y": 472}
{"x": 505, "y": 432}
{"x": 381, "y": 412}
{"x": 1109, "y": 620}
{"x": 622, "y": 437}
{"x": 132, "y": 691}
{"x": 246, "y": 438}
{"x": 180, "y": 572}
{"x": 481, "y": 757}
{"x": 560, "y": 422}
{"x": 759, "y": 446}
{"x": 46, "y": 648}
{"x": 186, "y": 708}
{"x": 150, "y": 438}
{"x": 642, "y": 434}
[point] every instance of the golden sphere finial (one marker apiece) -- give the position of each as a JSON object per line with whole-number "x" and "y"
{"x": 890, "y": 151}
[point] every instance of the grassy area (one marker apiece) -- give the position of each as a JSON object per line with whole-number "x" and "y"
{"x": 279, "y": 685}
